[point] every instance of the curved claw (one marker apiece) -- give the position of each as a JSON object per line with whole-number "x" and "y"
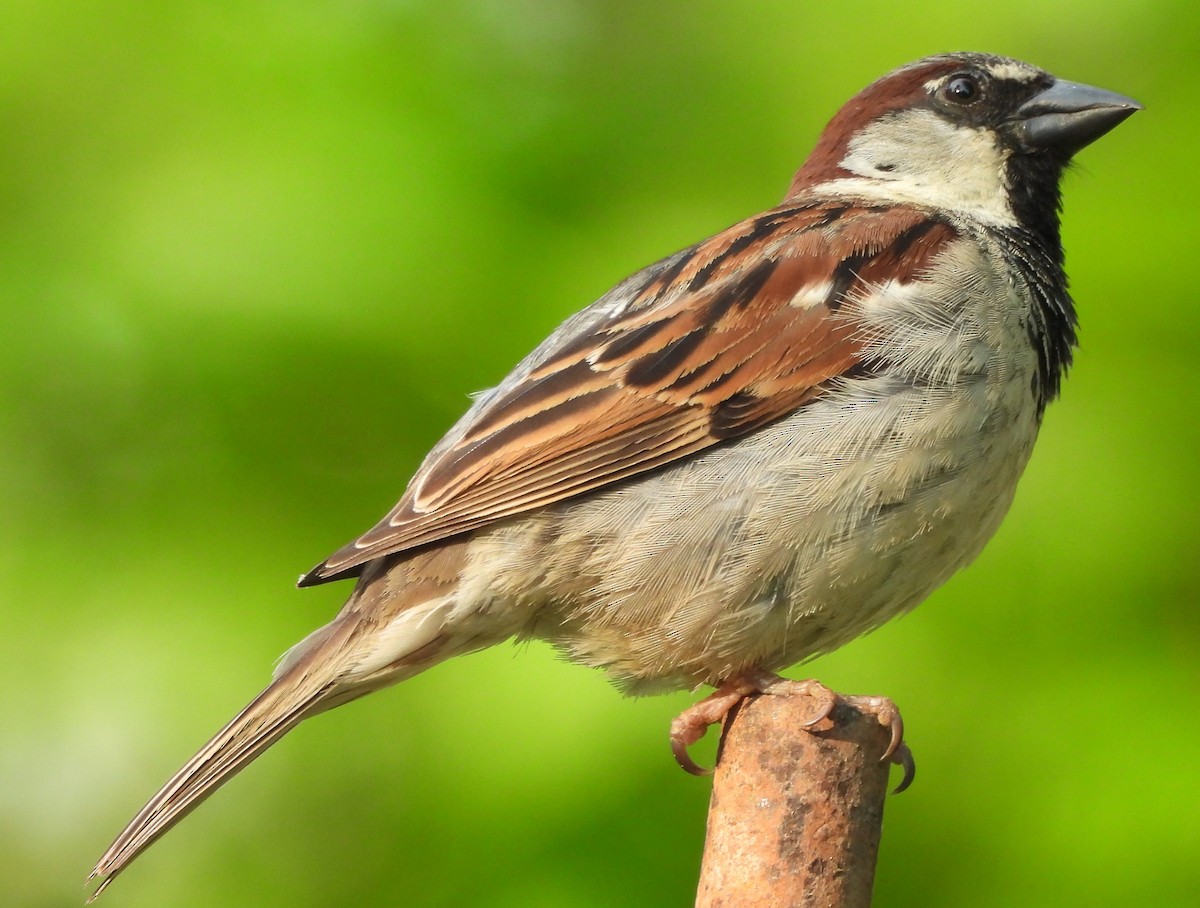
{"x": 828, "y": 701}
{"x": 680, "y": 749}
{"x": 902, "y": 757}
{"x": 691, "y": 724}
{"x": 886, "y": 713}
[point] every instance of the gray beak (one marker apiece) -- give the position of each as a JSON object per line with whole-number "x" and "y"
{"x": 1067, "y": 116}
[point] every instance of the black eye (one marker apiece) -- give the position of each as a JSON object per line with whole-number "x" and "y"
{"x": 961, "y": 90}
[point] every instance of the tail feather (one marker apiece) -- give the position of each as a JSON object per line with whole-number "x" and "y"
{"x": 345, "y": 659}
{"x": 296, "y": 693}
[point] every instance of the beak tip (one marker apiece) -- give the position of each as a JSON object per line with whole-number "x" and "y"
{"x": 1068, "y": 116}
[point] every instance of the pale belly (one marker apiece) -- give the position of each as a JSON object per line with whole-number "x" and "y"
{"x": 768, "y": 551}
{"x": 791, "y": 541}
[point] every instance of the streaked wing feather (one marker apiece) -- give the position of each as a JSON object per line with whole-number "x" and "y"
{"x": 714, "y": 342}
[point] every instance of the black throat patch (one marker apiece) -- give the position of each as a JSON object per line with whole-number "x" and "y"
{"x": 1052, "y": 324}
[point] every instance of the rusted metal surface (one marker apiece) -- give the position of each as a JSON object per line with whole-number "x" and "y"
{"x": 796, "y": 815}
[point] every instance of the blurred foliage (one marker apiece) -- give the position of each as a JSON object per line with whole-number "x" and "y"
{"x": 253, "y": 256}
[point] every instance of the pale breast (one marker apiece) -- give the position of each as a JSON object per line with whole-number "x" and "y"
{"x": 795, "y": 539}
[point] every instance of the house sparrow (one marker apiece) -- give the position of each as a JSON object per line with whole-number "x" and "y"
{"x": 746, "y": 454}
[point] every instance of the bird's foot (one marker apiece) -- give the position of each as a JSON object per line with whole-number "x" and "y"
{"x": 691, "y": 725}
{"x": 887, "y": 715}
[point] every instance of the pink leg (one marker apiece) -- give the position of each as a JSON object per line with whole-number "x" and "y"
{"x": 691, "y": 725}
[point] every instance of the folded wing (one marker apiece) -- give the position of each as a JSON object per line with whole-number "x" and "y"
{"x": 705, "y": 346}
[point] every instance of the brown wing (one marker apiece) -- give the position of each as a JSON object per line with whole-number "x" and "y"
{"x": 710, "y": 344}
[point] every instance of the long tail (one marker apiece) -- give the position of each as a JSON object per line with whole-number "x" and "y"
{"x": 305, "y": 685}
{"x": 394, "y": 625}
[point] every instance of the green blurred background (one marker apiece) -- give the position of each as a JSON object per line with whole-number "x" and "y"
{"x": 253, "y": 256}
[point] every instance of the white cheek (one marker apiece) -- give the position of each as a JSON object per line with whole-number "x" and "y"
{"x": 917, "y": 157}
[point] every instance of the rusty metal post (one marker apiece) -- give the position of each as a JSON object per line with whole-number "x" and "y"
{"x": 796, "y": 815}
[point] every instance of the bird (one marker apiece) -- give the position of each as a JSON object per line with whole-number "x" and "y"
{"x": 746, "y": 454}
